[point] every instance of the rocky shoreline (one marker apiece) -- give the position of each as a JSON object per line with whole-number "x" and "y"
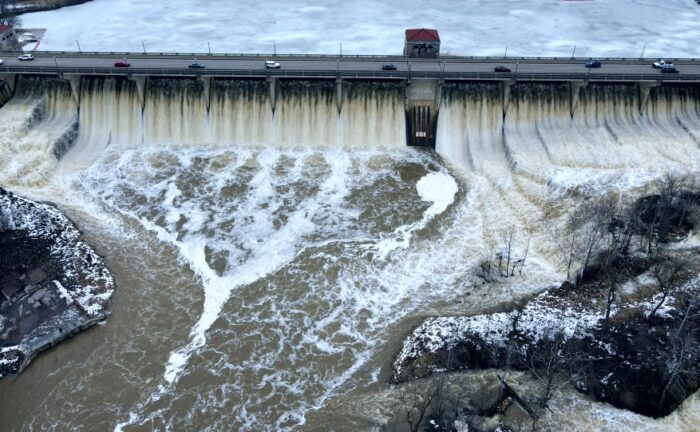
{"x": 52, "y": 284}
{"x": 623, "y": 329}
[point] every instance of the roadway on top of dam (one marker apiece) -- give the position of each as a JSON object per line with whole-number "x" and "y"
{"x": 349, "y": 67}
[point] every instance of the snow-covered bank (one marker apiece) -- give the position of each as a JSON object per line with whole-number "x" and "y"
{"x": 52, "y": 283}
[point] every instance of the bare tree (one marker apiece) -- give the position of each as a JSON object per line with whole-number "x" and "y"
{"x": 417, "y": 405}
{"x": 668, "y": 273}
{"x": 547, "y": 361}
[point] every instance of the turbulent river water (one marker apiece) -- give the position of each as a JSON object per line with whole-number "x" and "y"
{"x": 268, "y": 265}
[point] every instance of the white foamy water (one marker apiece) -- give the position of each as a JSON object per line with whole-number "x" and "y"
{"x": 473, "y": 27}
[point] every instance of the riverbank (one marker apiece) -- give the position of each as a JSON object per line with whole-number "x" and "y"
{"x": 52, "y": 284}
{"x": 19, "y": 7}
{"x": 624, "y": 329}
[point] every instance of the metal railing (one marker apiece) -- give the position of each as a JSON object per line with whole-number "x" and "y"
{"x": 332, "y": 74}
{"x": 376, "y": 57}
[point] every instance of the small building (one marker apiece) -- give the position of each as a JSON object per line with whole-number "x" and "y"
{"x": 424, "y": 43}
{"x": 8, "y": 39}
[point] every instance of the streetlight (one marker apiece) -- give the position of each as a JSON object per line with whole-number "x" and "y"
{"x": 506, "y": 53}
{"x": 209, "y": 47}
{"x": 642, "y": 56}
{"x": 143, "y": 44}
{"x": 573, "y": 53}
{"x": 274, "y": 48}
{"x": 55, "y": 62}
{"x": 78, "y": 43}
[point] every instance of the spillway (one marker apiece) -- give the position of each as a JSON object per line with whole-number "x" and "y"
{"x": 174, "y": 113}
{"x": 540, "y": 137}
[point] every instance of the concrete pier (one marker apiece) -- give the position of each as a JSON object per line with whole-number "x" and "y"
{"x": 422, "y": 98}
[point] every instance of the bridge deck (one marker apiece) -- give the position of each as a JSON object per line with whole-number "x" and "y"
{"x": 354, "y": 67}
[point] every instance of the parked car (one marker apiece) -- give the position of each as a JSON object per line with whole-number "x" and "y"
{"x": 25, "y": 57}
{"x": 388, "y": 66}
{"x": 593, "y": 64}
{"x": 502, "y": 69}
{"x": 122, "y": 63}
{"x": 669, "y": 69}
{"x": 196, "y": 65}
{"x": 661, "y": 63}
{"x": 269, "y": 64}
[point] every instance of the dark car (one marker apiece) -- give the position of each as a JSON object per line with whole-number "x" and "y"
{"x": 196, "y": 65}
{"x": 122, "y": 63}
{"x": 501, "y": 69}
{"x": 388, "y": 66}
{"x": 594, "y": 64}
{"x": 669, "y": 69}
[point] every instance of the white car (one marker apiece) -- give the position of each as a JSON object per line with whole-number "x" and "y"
{"x": 661, "y": 64}
{"x": 269, "y": 64}
{"x": 26, "y": 57}
{"x": 1, "y": 62}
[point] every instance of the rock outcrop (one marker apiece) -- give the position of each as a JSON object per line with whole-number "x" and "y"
{"x": 52, "y": 284}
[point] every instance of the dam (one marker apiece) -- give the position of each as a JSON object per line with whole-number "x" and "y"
{"x": 320, "y": 83}
{"x": 275, "y": 232}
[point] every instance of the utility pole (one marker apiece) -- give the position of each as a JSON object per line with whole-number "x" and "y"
{"x": 143, "y": 44}
{"x": 573, "y": 53}
{"x": 642, "y": 56}
{"x": 55, "y": 62}
{"x": 274, "y": 48}
{"x": 506, "y": 53}
{"x": 341, "y": 49}
{"x": 209, "y": 47}
{"x": 78, "y": 43}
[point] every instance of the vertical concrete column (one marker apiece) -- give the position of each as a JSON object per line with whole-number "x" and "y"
{"x": 505, "y": 95}
{"x": 140, "y": 81}
{"x": 422, "y": 112}
{"x": 644, "y": 92}
{"x": 575, "y": 87}
{"x": 438, "y": 94}
{"x": 75, "y": 81}
{"x": 206, "y": 80}
{"x": 339, "y": 94}
{"x": 272, "y": 88}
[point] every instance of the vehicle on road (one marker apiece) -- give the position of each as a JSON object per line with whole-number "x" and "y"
{"x": 501, "y": 68}
{"x": 196, "y": 65}
{"x": 669, "y": 69}
{"x": 388, "y": 66}
{"x": 269, "y": 64}
{"x": 122, "y": 63}
{"x": 25, "y": 57}
{"x": 661, "y": 63}
{"x": 593, "y": 64}
{"x": 1, "y": 62}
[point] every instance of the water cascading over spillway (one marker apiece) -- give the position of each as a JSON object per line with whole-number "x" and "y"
{"x": 37, "y": 126}
{"x": 173, "y": 113}
{"x": 539, "y": 136}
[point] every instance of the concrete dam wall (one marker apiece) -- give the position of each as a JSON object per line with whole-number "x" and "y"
{"x": 486, "y": 127}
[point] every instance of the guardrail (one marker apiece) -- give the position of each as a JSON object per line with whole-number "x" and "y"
{"x": 328, "y": 74}
{"x": 390, "y": 57}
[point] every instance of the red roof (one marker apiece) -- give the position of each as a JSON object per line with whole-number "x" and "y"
{"x": 422, "y": 35}
{"x": 4, "y": 28}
